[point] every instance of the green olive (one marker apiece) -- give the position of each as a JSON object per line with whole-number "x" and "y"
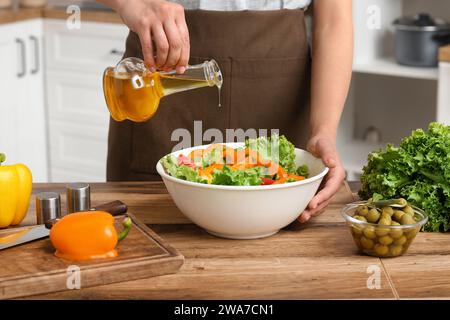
{"x": 387, "y": 210}
{"x": 411, "y": 233}
{"x": 369, "y": 232}
{"x": 357, "y": 230}
{"x": 386, "y": 216}
{"x": 407, "y": 243}
{"x": 385, "y": 221}
{"x": 362, "y": 210}
{"x": 386, "y": 240}
{"x": 373, "y": 215}
{"x": 398, "y": 214}
{"x": 366, "y": 243}
{"x": 381, "y": 250}
{"x": 381, "y": 231}
{"x": 400, "y": 241}
{"x": 396, "y": 250}
{"x": 397, "y": 232}
{"x": 407, "y": 219}
{"x": 408, "y": 210}
{"x": 360, "y": 218}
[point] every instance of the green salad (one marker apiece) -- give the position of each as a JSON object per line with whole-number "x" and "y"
{"x": 263, "y": 161}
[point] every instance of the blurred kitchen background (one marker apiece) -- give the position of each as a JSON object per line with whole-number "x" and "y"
{"x": 53, "y": 116}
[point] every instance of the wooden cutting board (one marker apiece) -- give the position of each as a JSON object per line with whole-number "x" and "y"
{"x": 32, "y": 268}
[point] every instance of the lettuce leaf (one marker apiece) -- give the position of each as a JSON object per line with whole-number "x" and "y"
{"x": 418, "y": 170}
{"x": 275, "y": 148}
{"x": 247, "y": 177}
{"x": 170, "y": 165}
{"x": 215, "y": 156}
{"x": 279, "y": 150}
{"x": 181, "y": 172}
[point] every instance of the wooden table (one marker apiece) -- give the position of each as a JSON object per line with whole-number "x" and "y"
{"x": 314, "y": 260}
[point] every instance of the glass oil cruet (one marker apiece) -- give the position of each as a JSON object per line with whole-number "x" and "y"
{"x": 133, "y": 92}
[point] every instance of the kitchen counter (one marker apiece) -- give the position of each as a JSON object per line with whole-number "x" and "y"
{"x": 21, "y": 14}
{"x": 10, "y": 15}
{"x": 314, "y": 260}
{"x": 444, "y": 54}
{"x": 86, "y": 15}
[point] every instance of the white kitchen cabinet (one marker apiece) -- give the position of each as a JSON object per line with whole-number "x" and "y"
{"x": 78, "y": 118}
{"x": 387, "y": 98}
{"x": 443, "y": 110}
{"x": 22, "y": 112}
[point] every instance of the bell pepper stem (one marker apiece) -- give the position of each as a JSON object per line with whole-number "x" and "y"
{"x": 2, "y": 158}
{"x": 126, "y": 223}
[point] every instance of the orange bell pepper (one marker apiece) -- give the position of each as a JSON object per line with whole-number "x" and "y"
{"x": 295, "y": 177}
{"x": 208, "y": 171}
{"x": 87, "y": 235}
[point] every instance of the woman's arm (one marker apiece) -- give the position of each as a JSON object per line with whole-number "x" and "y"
{"x": 332, "y": 56}
{"x": 159, "y": 22}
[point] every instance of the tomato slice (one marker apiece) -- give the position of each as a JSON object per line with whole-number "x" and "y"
{"x": 267, "y": 181}
{"x": 185, "y": 161}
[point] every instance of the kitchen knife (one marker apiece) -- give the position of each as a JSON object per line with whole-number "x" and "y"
{"x": 15, "y": 236}
{"x": 22, "y": 235}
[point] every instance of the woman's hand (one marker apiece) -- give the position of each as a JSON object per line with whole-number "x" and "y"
{"x": 158, "y": 23}
{"x": 325, "y": 148}
{"x": 331, "y": 73}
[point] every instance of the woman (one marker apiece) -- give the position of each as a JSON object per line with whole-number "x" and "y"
{"x": 270, "y": 80}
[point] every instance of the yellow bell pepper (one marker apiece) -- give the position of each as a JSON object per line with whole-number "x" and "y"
{"x": 15, "y": 191}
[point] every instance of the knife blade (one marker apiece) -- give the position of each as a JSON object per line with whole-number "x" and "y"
{"x": 22, "y": 235}
{"x": 19, "y": 235}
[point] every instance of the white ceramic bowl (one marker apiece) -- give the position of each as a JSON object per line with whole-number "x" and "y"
{"x": 244, "y": 212}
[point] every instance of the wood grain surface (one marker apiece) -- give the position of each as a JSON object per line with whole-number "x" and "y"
{"x": 316, "y": 260}
{"x": 86, "y": 15}
{"x": 21, "y": 14}
{"x": 444, "y": 54}
{"x": 32, "y": 268}
{"x": 11, "y": 15}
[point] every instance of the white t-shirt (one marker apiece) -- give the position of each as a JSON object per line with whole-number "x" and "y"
{"x": 236, "y": 5}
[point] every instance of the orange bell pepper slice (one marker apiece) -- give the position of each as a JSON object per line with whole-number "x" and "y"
{"x": 295, "y": 177}
{"x": 208, "y": 171}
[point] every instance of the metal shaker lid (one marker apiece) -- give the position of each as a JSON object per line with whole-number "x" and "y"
{"x": 78, "y": 197}
{"x": 48, "y": 207}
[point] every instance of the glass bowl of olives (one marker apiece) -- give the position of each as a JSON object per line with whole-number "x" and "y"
{"x": 385, "y": 228}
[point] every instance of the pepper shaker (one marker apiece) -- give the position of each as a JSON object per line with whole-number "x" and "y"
{"x": 78, "y": 197}
{"x": 48, "y": 207}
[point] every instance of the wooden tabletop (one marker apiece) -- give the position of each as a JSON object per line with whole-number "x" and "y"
{"x": 314, "y": 260}
{"x": 11, "y": 15}
{"x": 444, "y": 54}
{"x": 50, "y": 12}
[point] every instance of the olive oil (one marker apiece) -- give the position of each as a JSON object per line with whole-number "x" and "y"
{"x": 136, "y": 95}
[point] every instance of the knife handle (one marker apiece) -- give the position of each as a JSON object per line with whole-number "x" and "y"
{"x": 115, "y": 208}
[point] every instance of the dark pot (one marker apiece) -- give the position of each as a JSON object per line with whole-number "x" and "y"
{"x": 418, "y": 38}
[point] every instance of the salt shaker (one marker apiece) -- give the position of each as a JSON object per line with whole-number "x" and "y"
{"x": 78, "y": 197}
{"x": 48, "y": 207}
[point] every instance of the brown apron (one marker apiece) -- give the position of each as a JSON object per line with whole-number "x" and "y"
{"x": 265, "y": 61}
